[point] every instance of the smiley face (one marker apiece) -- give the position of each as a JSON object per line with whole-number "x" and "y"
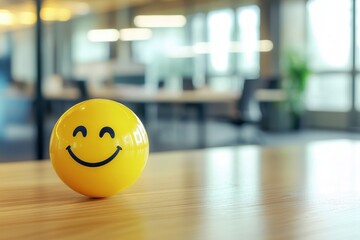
{"x": 83, "y": 130}
{"x": 99, "y": 147}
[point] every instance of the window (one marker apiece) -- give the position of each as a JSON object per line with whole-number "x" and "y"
{"x": 330, "y": 34}
{"x": 198, "y": 27}
{"x": 248, "y": 18}
{"x": 220, "y": 26}
{"x": 357, "y": 82}
{"x": 87, "y": 51}
{"x": 329, "y": 42}
{"x": 329, "y": 92}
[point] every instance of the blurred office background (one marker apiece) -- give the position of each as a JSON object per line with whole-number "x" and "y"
{"x": 217, "y": 45}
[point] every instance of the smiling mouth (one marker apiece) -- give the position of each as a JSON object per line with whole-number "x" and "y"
{"x": 93, "y": 164}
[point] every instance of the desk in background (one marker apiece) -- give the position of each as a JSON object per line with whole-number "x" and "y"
{"x": 199, "y": 99}
{"x": 290, "y": 192}
{"x": 142, "y": 98}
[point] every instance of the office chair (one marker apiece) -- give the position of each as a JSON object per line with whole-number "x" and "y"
{"x": 246, "y": 112}
{"x": 270, "y": 118}
{"x": 82, "y": 86}
{"x": 245, "y": 105}
{"x": 187, "y": 83}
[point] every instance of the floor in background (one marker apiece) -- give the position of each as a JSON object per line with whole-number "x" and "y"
{"x": 175, "y": 135}
{"x": 169, "y": 136}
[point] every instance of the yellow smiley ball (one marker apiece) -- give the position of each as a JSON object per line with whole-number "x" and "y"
{"x": 99, "y": 147}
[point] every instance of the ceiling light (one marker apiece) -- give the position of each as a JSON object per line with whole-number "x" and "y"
{"x": 154, "y": 21}
{"x": 201, "y": 48}
{"x": 103, "y": 35}
{"x": 231, "y": 47}
{"x": 253, "y": 46}
{"x": 26, "y": 18}
{"x": 55, "y": 14}
{"x": 135, "y": 34}
{"x": 6, "y": 18}
{"x": 181, "y": 52}
{"x": 79, "y": 8}
{"x": 265, "y": 45}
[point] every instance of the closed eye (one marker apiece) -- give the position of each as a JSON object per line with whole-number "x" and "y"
{"x": 108, "y": 130}
{"x": 81, "y": 129}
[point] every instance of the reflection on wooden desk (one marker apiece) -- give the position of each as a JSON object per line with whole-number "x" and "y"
{"x": 292, "y": 192}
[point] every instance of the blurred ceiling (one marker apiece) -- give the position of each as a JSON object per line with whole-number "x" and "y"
{"x": 83, "y": 5}
{"x": 77, "y": 7}
{"x": 21, "y": 13}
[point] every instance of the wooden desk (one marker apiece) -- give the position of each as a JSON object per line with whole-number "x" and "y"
{"x": 293, "y": 192}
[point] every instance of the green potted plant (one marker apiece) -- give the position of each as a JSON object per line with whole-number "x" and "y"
{"x": 296, "y": 74}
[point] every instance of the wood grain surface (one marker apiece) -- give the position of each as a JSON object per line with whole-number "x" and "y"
{"x": 290, "y": 192}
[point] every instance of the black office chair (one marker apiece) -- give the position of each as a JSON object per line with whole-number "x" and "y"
{"x": 247, "y": 113}
{"x": 188, "y": 83}
{"x": 270, "y": 120}
{"x": 247, "y": 101}
{"x": 82, "y": 86}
